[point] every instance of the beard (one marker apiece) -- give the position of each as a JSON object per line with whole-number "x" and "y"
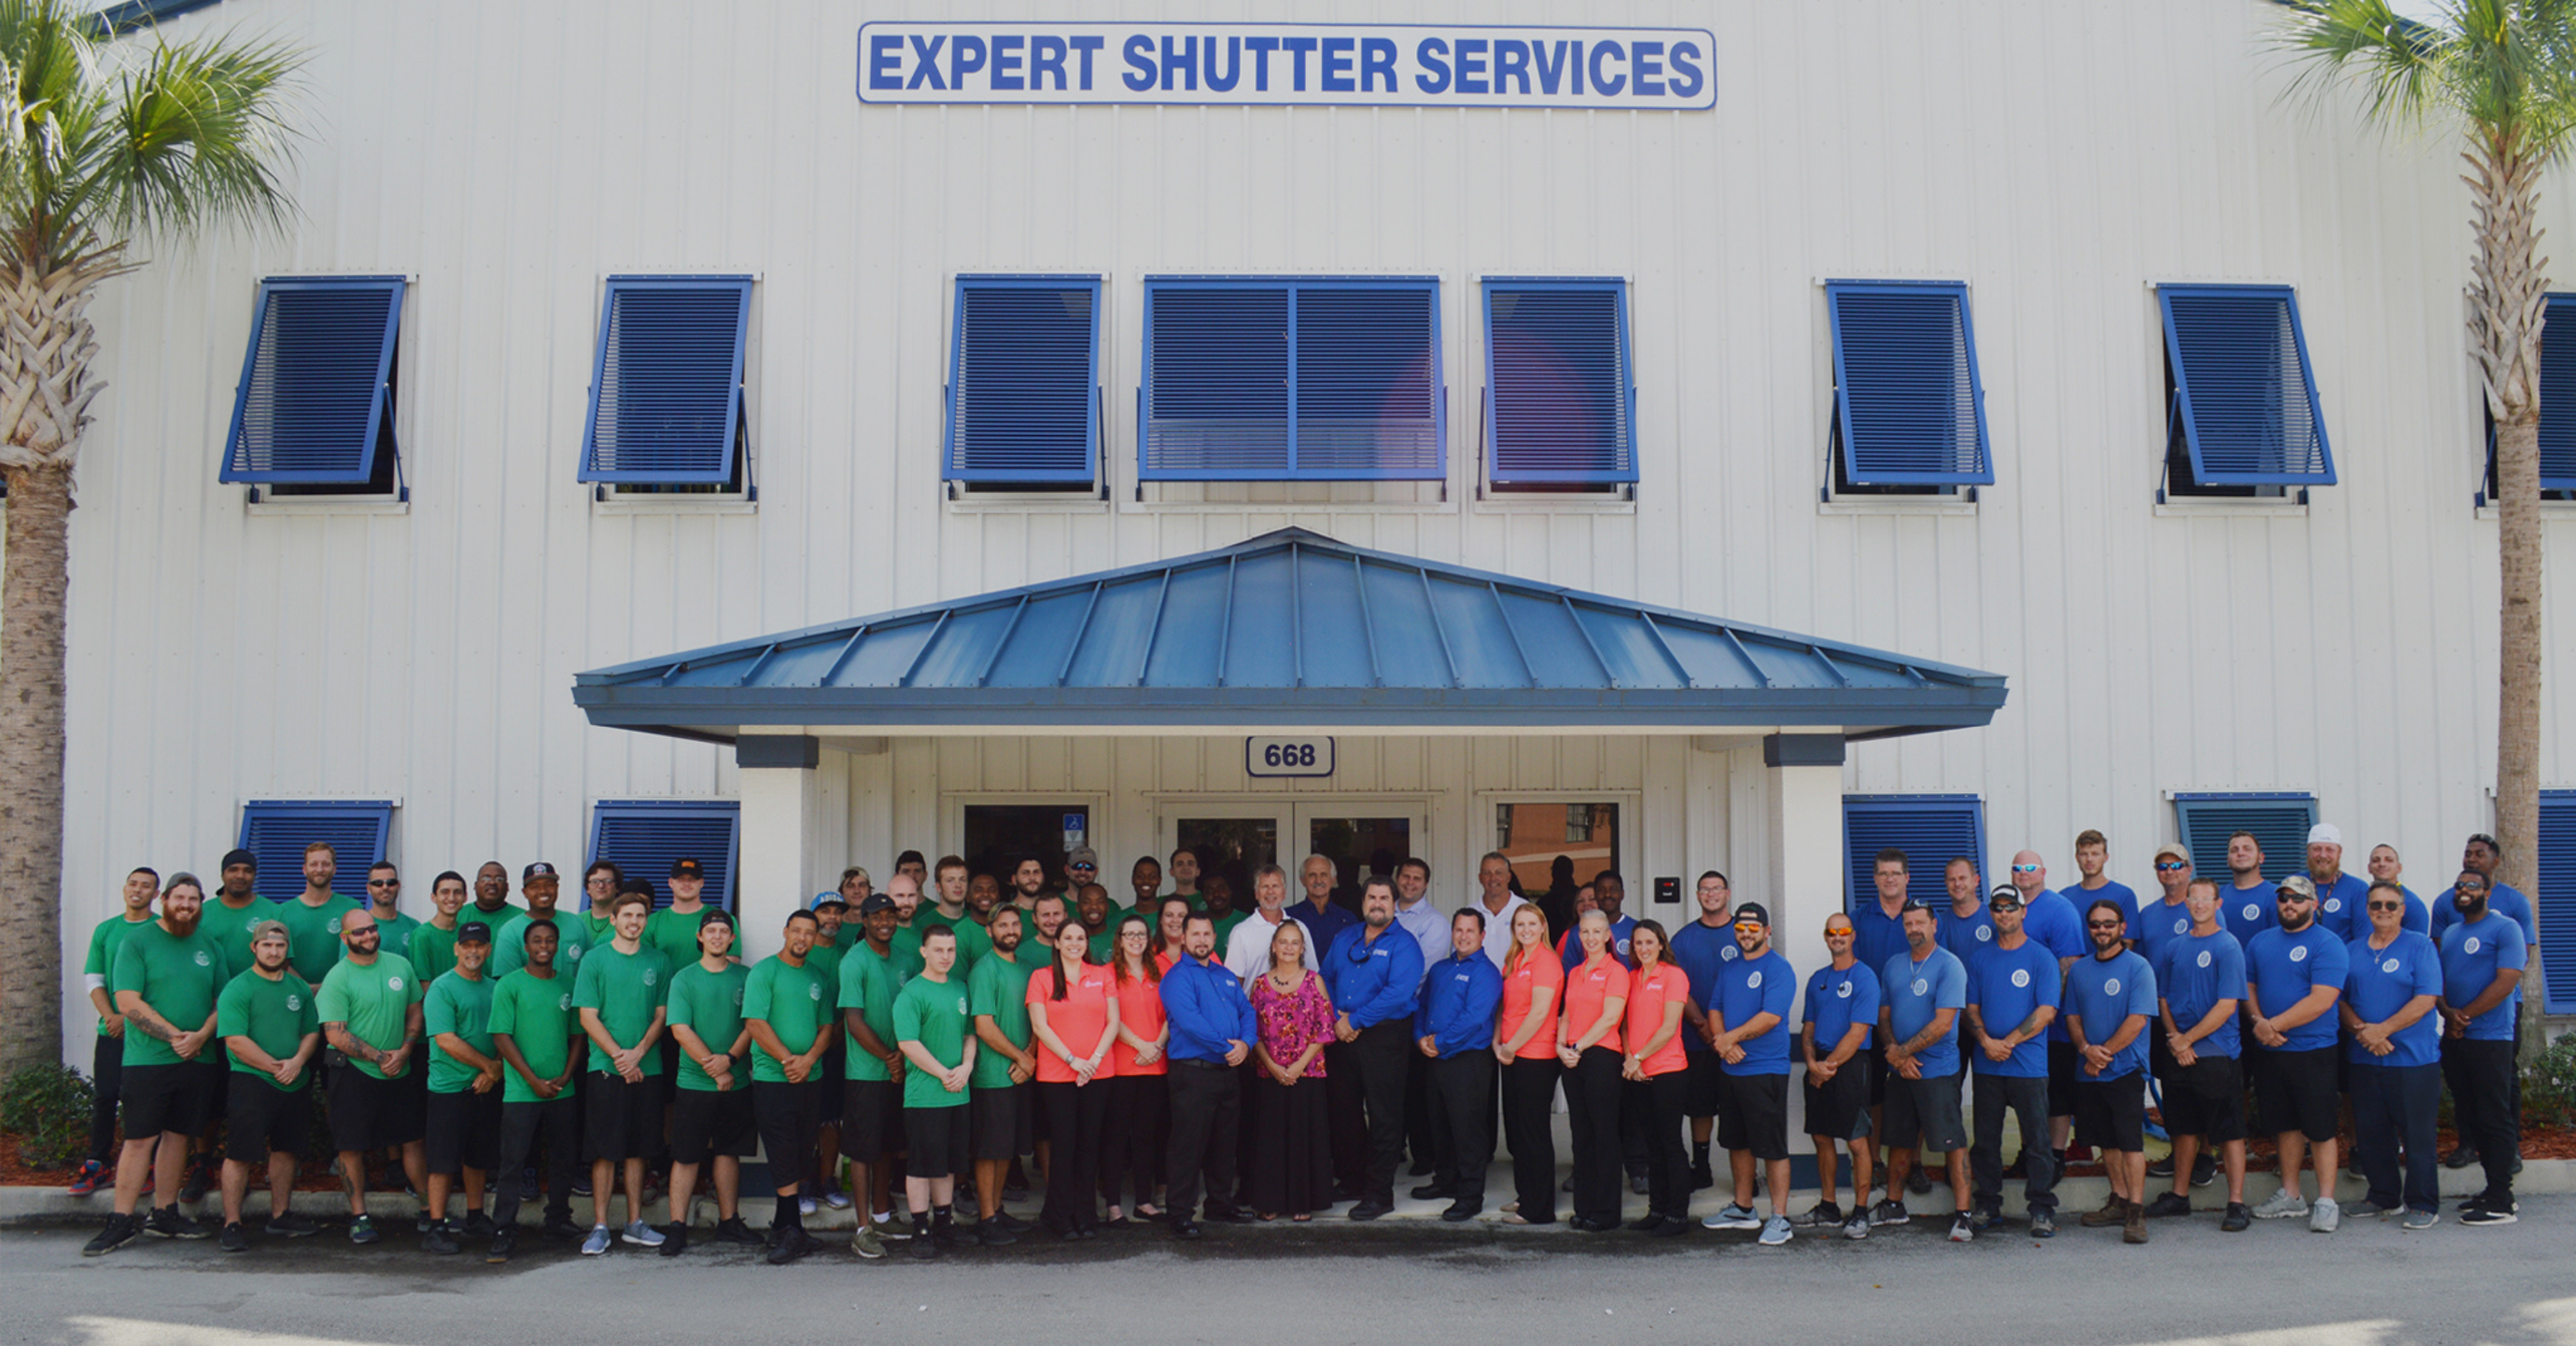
{"x": 182, "y": 926}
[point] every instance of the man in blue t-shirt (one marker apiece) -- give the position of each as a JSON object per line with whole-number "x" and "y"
{"x": 2246, "y": 906}
{"x": 1699, "y": 949}
{"x": 1842, "y": 1008}
{"x": 2483, "y": 958}
{"x": 2092, "y": 857}
{"x": 1965, "y": 928}
{"x": 2339, "y": 895}
{"x": 1748, "y": 1027}
{"x": 2110, "y": 1003}
{"x": 2200, "y": 984}
{"x": 2392, "y": 987}
{"x": 2013, "y": 995}
{"x": 2483, "y": 853}
{"x": 2294, "y": 975}
{"x": 2049, "y": 918}
{"x": 1925, "y": 988}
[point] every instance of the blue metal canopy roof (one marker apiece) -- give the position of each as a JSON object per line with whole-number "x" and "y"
{"x": 1289, "y": 629}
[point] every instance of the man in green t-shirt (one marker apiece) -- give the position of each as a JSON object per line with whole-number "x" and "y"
{"x": 856, "y": 888}
{"x": 371, "y": 1014}
{"x": 315, "y": 917}
{"x": 1099, "y": 917}
{"x": 271, "y": 1029}
{"x": 620, "y": 994}
{"x": 674, "y": 929}
{"x": 872, "y": 1102}
{"x": 540, "y": 1040}
{"x": 464, "y": 1117}
{"x": 1004, "y": 1101}
{"x": 433, "y": 942}
{"x": 789, "y": 1011}
{"x": 492, "y": 904}
{"x": 384, "y": 898}
{"x": 107, "y": 1051}
{"x": 602, "y": 881}
{"x": 232, "y": 912}
{"x": 539, "y": 885}
{"x": 711, "y": 1107}
{"x": 822, "y": 1185}
{"x": 167, "y": 977}
{"x": 931, "y": 1025}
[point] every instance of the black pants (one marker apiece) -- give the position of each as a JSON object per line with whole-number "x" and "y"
{"x": 1635, "y": 1145}
{"x": 106, "y": 1077}
{"x": 1459, "y": 1091}
{"x": 1346, "y": 1115}
{"x": 557, "y": 1124}
{"x": 1380, "y": 1054}
{"x": 2028, "y": 1100}
{"x": 1076, "y": 1115}
{"x": 1592, "y": 1097}
{"x": 1207, "y": 1118}
{"x": 2393, "y": 1108}
{"x": 1422, "y": 1139}
{"x": 1134, "y": 1137}
{"x": 1668, "y": 1166}
{"x": 1529, "y": 1091}
{"x": 2481, "y": 1079}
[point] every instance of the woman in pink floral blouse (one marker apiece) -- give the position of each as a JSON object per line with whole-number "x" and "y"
{"x": 1290, "y": 1165}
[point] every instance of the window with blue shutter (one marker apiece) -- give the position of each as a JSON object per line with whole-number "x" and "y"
{"x": 1023, "y": 395}
{"x": 2557, "y": 407}
{"x": 1909, "y": 412}
{"x": 1251, "y": 379}
{"x": 315, "y": 405}
{"x": 277, "y": 831}
{"x": 643, "y": 836}
{"x": 2241, "y": 410}
{"x": 666, "y": 403}
{"x": 2555, "y": 903}
{"x": 1560, "y": 407}
{"x": 2279, "y": 822}
{"x": 1932, "y": 830}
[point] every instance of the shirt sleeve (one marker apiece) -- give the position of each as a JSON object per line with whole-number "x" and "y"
{"x": 586, "y": 988}
{"x": 232, "y": 1010}
{"x": 2334, "y": 962}
{"x": 2427, "y": 970}
{"x": 132, "y": 973}
{"x": 438, "y": 1013}
{"x": 505, "y": 1010}
{"x": 2142, "y": 991}
{"x": 755, "y": 992}
{"x": 907, "y": 1017}
{"x": 1865, "y": 998}
{"x": 333, "y": 999}
{"x": 1484, "y": 998}
{"x": 2230, "y": 982}
{"x": 1779, "y": 994}
{"x": 2050, "y": 985}
{"x": 96, "y": 964}
{"x": 2511, "y": 953}
{"x": 1951, "y": 991}
{"x": 1396, "y": 992}
{"x": 676, "y": 1002}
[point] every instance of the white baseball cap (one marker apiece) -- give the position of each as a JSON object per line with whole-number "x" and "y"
{"x": 2325, "y": 834}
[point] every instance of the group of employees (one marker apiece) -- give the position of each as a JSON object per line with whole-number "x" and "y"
{"x": 1177, "y": 1060}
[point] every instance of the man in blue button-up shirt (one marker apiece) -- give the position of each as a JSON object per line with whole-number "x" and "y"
{"x": 1212, "y": 1029}
{"x": 1454, "y": 1034}
{"x": 1374, "y": 972}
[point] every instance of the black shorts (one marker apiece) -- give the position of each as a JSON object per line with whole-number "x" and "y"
{"x": 787, "y": 1116}
{"x": 2295, "y": 1091}
{"x": 2065, "y": 1071}
{"x": 464, "y": 1132}
{"x": 828, "y": 1070}
{"x": 1839, "y": 1108}
{"x": 1699, "y": 1084}
{"x": 620, "y": 1118}
{"x": 2112, "y": 1114}
{"x": 1002, "y": 1121}
{"x": 871, "y": 1120}
{"x": 1753, "y": 1114}
{"x": 2207, "y": 1099}
{"x": 1874, "y": 1072}
{"x": 939, "y": 1141}
{"x": 368, "y": 1113}
{"x": 180, "y": 1097}
{"x": 1926, "y": 1110}
{"x": 705, "y": 1123}
{"x": 265, "y": 1119}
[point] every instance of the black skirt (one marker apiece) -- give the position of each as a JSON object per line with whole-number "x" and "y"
{"x": 1289, "y": 1170}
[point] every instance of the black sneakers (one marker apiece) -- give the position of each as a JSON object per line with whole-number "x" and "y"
{"x": 233, "y": 1240}
{"x": 121, "y": 1230}
{"x": 166, "y": 1222}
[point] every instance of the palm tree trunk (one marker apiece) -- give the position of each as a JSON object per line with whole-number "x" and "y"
{"x": 32, "y": 605}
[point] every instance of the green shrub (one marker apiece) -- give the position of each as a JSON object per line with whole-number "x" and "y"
{"x": 2549, "y": 1087}
{"x": 47, "y": 1108}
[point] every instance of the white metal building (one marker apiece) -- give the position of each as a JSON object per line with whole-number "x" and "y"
{"x": 1618, "y": 341}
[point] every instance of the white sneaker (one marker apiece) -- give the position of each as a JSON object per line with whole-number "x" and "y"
{"x": 2325, "y": 1216}
{"x": 2285, "y": 1204}
{"x": 837, "y": 1199}
{"x": 1733, "y": 1217}
{"x": 642, "y": 1235}
{"x": 1776, "y": 1232}
{"x": 804, "y": 1205}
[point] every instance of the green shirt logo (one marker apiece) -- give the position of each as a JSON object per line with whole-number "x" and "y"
{"x": 204, "y": 961}
{"x": 650, "y": 976}
{"x": 564, "y": 1001}
{"x": 393, "y": 983}
{"x": 813, "y": 990}
{"x": 334, "y": 926}
{"x": 294, "y": 1002}
{"x": 961, "y": 1004}
{"x": 737, "y": 996}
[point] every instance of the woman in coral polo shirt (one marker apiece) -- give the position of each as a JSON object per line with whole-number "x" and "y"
{"x": 1587, "y": 1045}
{"x": 1072, "y": 1002}
{"x": 1525, "y": 1043}
{"x": 1655, "y": 1070}
{"x": 1140, "y": 1102}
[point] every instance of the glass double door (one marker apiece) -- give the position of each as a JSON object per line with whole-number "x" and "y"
{"x": 1234, "y": 838}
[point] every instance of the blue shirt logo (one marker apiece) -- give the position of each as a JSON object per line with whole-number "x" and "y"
{"x": 2111, "y": 986}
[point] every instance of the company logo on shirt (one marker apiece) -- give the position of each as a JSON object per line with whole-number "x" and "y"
{"x": 393, "y": 983}
{"x": 1728, "y": 954}
{"x": 651, "y": 976}
{"x": 1843, "y": 991}
{"x": 204, "y": 961}
{"x": 2253, "y": 912}
{"x": 2110, "y": 986}
{"x": 2389, "y": 966}
{"x": 2182, "y": 924}
{"x": 2204, "y": 958}
{"x": 2021, "y": 977}
{"x": 2334, "y": 904}
{"x": 334, "y": 927}
{"x": 294, "y": 1002}
{"x": 1921, "y": 986}
{"x": 814, "y": 991}
{"x": 564, "y": 1001}
{"x": 2299, "y": 954}
{"x": 2471, "y": 946}
{"x": 737, "y": 997}
{"x": 574, "y": 953}
{"x": 1753, "y": 982}
{"x": 1985, "y": 933}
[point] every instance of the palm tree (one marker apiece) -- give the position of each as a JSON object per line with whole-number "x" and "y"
{"x": 105, "y": 143}
{"x": 2501, "y": 74}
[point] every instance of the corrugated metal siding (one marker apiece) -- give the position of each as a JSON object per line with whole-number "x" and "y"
{"x": 2057, "y": 158}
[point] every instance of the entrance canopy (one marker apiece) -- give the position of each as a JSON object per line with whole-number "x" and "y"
{"x": 1287, "y": 630}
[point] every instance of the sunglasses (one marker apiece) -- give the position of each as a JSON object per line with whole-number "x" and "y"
{"x": 2171, "y": 866}
{"x": 2102, "y": 925}
{"x": 2025, "y": 869}
{"x": 384, "y": 883}
{"x": 2387, "y": 906}
{"x": 2287, "y": 898}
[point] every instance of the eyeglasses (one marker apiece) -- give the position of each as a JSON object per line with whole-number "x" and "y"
{"x": 2025, "y": 869}
{"x": 2388, "y": 906}
{"x": 2172, "y": 866}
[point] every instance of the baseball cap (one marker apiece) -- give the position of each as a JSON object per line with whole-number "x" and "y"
{"x": 1082, "y": 855}
{"x": 538, "y": 870}
{"x": 1913, "y": 904}
{"x": 474, "y": 932}
{"x": 875, "y": 903}
{"x": 237, "y": 856}
{"x": 2004, "y": 895}
{"x": 1752, "y": 911}
{"x": 714, "y": 916}
{"x": 2300, "y": 884}
{"x": 685, "y": 868}
{"x": 265, "y": 928}
{"x": 2325, "y": 834}
{"x": 2174, "y": 850}
{"x": 834, "y": 899}
{"x": 644, "y": 886}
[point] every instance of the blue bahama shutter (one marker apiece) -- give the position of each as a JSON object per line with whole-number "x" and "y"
{"x": 1022, "y": 387}
{"x": 666, "y": 381}
{"x": 277, "y": 831}
{"x": 2244, "y": 391}
{"x": 2558, "y": 391}
{"x": 2555, "y": 903}
{"x": 2279, "y": 822}
{"x": 643, "y": 837}
{"x": 1905, "y": 384}
{"x": 1274, "y": 380}
{"x": 1561, "y": 406}
{"x": 1932, "y": 830}
{"x": 313, "y": 403}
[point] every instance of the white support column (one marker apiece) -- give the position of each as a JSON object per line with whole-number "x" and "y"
{"x": 1804, "y": 838}
{"x": 785, "y": 803}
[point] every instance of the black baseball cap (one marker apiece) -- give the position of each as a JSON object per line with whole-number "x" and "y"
{"x": 1752, "y": 911}
{"x": 1913, "y": 904}
{"x": 715, "y": 916}
{"x": 237, "y": 856}
{"x": 685, "y": 868}
{"x": 2004, "y": 895}
{"x": 538, "y": 870}
{"x": 474, "y": 932}
{"x": 875, "y": 903}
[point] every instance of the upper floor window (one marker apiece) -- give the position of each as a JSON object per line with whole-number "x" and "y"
{"x": 314, "y": 412}
{"x": 666, "y": 403}
{"x": 2558, "y": 392}
{"x": 1023, "y": 392}
{"x": 1560, "y": 405}
{"x": 2241, "y": 413}
{"x": 1258, "y": 379}
{"x": 1909, "y": 413}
